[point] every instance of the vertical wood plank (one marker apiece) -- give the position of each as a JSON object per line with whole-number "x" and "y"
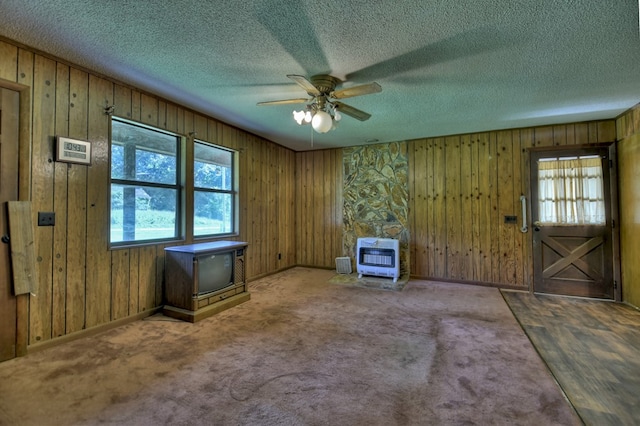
{"x": 581, "y": 131}
{"x": 543, "y": 136}
{"x": 308, "y": 208}
{"x": 559, "y": 135}
{"x": 134, "y": 280}
{"x": 452, "y": 206}
{"x": 518, "y": 190}
{"x": 136, "y": 105}
{"x": 98, "y": 276}
{"x": 439, "y": 208}
{"x": 526, "y": 142}
{"x": 466, "y": 210}
{"x": 339, "y": 200}
{"x": 328, "y": 208}
{"x": 42, "y": 172}
{"x": 494, "y": 221}
{"x": 149, "y": 110}
{"x": 506, "y": 207}
{"x": 122, "y": 101}
{"x": 318, "y": 194}
{"x": 606, "y": 131}
{"x": 417, "y": 209}
{"x": 77, "y": 205}
{"x": 485, "y": 181}
{"x": 430, "y": 198}
{"x": 146, "y": 278}
{"x": 120, "y": 284}
{"x": 299, "y": 158}
{"x": 252, "y": 210}
{"x": 171, "y": 120}
{"x": 200, "y": 127}
{"x": 60, "y": 204}
{"x": 8, "y": 61}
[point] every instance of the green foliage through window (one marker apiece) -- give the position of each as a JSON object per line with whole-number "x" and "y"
{"x": 214, "y": 195}
{"x": 145, "y": 192}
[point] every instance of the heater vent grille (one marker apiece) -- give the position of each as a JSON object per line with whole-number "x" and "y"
{"x": 378, "y": 256}
{"x": 343, "y": 265}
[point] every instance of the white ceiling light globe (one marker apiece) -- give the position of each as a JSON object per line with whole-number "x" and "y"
{"x": 298, "y": 116}
{"x": 321, "y": 122}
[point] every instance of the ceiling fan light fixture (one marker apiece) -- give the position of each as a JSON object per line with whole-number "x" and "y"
{"x": 308, "y": 117}
{"x": 299, "y": 116}
{"x": 336, "y": 115}
{"x": 322, "y": 122}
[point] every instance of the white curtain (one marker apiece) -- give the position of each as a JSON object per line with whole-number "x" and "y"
{"x": 570, "y": 191}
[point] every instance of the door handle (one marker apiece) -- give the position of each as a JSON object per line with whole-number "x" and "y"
{"x": 5, "y": 239}
{"x": 523, "y": 201}
{"x": 536, "y": 225}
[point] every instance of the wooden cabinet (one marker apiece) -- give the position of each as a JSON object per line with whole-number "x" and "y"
{"x": 204, "y": 279}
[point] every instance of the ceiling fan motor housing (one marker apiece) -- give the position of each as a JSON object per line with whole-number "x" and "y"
{"x": 325, "y": 83}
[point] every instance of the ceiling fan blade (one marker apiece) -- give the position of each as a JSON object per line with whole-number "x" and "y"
{"x": 305, "y": 84}
{"x": 363, "y": 89}
{"x": 284, "y": 102}
{"x": 352, "y": 112}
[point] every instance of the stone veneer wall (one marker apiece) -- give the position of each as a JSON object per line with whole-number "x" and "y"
{"x": 376, "y": 196}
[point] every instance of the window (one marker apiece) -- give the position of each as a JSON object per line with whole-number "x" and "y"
{"x": 571, "y": 191}
{"x": 214, "y": 197}
{"x": 145, "y": 187}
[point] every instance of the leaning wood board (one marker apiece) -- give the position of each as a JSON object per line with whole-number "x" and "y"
{"x": 23, "y": 253}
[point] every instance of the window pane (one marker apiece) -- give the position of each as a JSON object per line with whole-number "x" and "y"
{"x": 570, "y": 191}
{"x": 142, "y": 154}
{"x": 213, "y": 213}
{"x": 144, "y": 183}
{"x": 212, "y": 167}
{"x": 155, "y": 167}
{"x": 142, "y": 213}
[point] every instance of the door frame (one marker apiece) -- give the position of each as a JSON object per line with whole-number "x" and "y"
{"x": 24, "y": 194}
{"x": 613, "y": 187}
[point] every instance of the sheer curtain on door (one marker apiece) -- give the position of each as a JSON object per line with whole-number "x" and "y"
{"x": 571, "y": 191}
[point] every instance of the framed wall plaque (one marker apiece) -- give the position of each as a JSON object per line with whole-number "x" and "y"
{"x": 73, "y": 151}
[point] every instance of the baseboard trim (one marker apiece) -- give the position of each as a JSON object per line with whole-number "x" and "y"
{"x": 37, "y": 347}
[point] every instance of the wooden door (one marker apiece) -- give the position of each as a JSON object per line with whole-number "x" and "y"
{"x": 575, "y": 259}
{"x": 9, "y": 107}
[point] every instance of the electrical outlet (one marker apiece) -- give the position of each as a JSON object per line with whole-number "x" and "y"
{"x": 46, "y": 219}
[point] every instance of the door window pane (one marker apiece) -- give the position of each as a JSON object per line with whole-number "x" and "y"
{"x": 571, "y": 191}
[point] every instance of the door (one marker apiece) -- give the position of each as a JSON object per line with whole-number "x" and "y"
{"x": 571, "y": 210}
{"x": 9, "y": 107}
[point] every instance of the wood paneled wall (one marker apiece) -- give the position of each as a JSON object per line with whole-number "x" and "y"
{"x": 83, "y": 284}
{"x": 318, "y": 199}
{"x": 628, "y": 127}
{"x": 461, "y": 188}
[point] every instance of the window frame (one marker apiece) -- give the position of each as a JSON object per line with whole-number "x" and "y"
{"x": 233, "y": 191}
{"x": 177, "y": 186}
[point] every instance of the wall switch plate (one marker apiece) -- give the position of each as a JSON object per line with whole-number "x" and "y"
{"x": 511, "y": 219}
{"x": 46, "y": 218}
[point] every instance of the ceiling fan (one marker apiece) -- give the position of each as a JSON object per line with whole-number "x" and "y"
{"x": 323, "y": 111}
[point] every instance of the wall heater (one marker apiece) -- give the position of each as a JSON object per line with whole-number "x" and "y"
{"x": 379, "y": 257}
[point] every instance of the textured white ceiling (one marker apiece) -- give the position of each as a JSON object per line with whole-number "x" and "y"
{"x": 445, "y": 67}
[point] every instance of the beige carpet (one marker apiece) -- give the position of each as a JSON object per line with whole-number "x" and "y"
{"x": 302, "y": 351}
